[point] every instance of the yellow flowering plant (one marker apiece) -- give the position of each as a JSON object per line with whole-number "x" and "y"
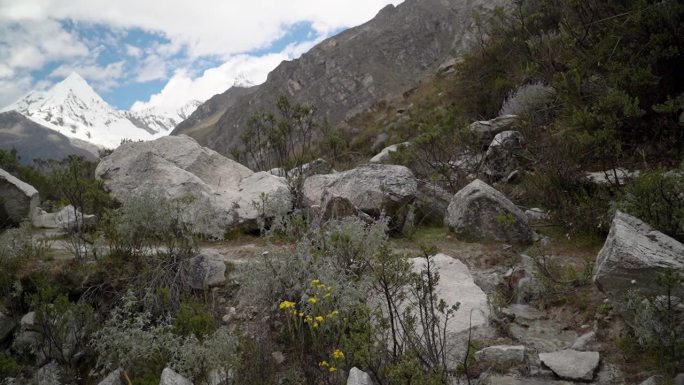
{"x": 314, "y": 323}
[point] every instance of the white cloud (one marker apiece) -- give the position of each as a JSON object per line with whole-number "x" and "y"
{"x": 205, "y": 27}
{"x": 32, "y": 35}
{"x": 133, "y": 51}
{"x": 152, "y": 67}
{"x": 102, "y": 78}
{"x": 182, "y": 87}
{"x": 32, "y": 44}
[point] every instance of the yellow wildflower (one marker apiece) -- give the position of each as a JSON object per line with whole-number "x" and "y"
{"x": 286, "y": 305}
{"x": 301, "y": 314}
{"x": 315, "y": 282}
{"x": 332, "y": 369}
{"x": 338, "y": 354}
{"x": 308, "y": 319}
{"x": 326, "y": 295}
{"x": 312, "y": 300}
{"x": 315, "y": 325}
{"x": 329, "y": 288}
{"x": 324, "y": 364}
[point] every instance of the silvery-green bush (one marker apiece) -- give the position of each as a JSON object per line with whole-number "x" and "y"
{"x": 528, "y": 99}
{"x": 139, "y": 343}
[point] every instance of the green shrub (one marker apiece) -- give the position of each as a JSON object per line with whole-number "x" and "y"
{"x": 8, "y": 366}
{"x": 657, "y": 198}
{"x": 17, "y": 246}
{"x": 143, "y": 345}
{"x": 656, "y": 322}
{"x": 65, "y": 327}
{"x": 193, "y": 320}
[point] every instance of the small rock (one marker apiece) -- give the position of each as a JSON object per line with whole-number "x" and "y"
{"x": 522, "y": 314}
{"x": 583, "y": 341}
{"x": 571, "y": 364}
{"x": 487, "y": 129}
{"x": 169, "y": 377}
{"x": 206, "y": 269}
{"x": 114, "y": 378}
{"x": 49, "y": 374}
{"x": 502, "y": 355}
{"x": 358, "y": 377}
{"x": 278, "y": 357}
{"x": 385, "y": 156}
{"x": 28, "y": 320}
{"x": 536, "y": 214}
{"x": 653, "y": 380}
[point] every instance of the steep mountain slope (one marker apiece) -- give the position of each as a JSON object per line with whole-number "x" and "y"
{"x": 348, "y": 73}
{"x": 72, "y": 108}
{"x": 31, "y": 140}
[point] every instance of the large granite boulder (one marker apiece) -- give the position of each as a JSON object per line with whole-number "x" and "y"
{"x": 633, "y": 257}
{"x": 178, "y": 167}
{"x": 17, "y": 199}
{"x": 503, "y": 155}
{"x": 456, "y": 286}
{"x": 373, "y": 189}
{"x": 480, "y": 212}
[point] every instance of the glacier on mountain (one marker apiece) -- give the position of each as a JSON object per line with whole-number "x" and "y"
{"x": 72, "y": 108}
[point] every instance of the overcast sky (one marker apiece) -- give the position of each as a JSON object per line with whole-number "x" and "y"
{"x": 161, "y": 53}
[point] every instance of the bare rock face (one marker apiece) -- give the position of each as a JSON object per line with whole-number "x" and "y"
{"x": 373, "y": 189}
{"x": 17, "y": 199}
{"x": 350, "y": 72}
{"x": 571, "y": 364}
{"x": 480, "y": 212}
{"x": 633, "y": 256}
{"x": 178, "y": 167}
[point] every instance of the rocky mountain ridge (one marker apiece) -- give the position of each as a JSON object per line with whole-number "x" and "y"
{"x": 348, "y": 73}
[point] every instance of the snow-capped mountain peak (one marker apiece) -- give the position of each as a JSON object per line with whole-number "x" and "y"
{"x": 74, "y": 109}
